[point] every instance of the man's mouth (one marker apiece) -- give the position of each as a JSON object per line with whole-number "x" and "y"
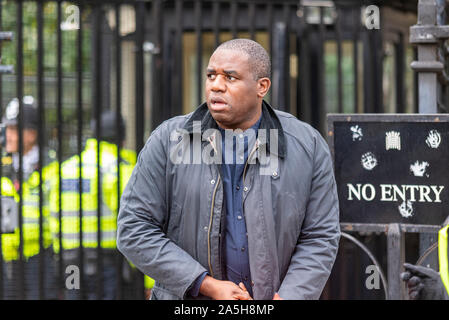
{"x": 218, "y": 103}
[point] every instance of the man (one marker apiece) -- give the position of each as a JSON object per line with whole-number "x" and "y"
{"x": 259, "y": 220}
{"x": 425, "y": 283}
{"x": 28, "y": 246}
{"x": 70, "y": 209}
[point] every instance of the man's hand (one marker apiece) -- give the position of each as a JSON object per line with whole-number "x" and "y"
{"x": 277, "y": 297}
{"x": 222, "y": 290}
{"x": 423, "y": 283}
{"x": 245, "y": 295}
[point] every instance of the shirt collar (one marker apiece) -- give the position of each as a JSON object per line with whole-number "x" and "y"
{"x": 268, "y": 120}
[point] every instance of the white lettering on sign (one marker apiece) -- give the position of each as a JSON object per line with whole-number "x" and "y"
{"x": 394, "y": 193}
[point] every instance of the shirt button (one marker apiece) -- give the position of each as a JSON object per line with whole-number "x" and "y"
{"x": 241, "y": 157}
{"x": 205, "y": 228}
{"x": 212, "y": 181}
{"x": 245, "y": 189}
{"x": 243, "y": 249}
{"x": 239, "y": 217}
{"x": 237, "y": 187}
{"x": 240, "y": 136}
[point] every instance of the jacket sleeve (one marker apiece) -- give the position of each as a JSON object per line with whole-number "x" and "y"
{"x": 317, "y": 245}
{"x": 141, "y": 220}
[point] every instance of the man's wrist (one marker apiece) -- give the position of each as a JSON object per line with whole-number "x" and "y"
{"x": 207, "y": 287}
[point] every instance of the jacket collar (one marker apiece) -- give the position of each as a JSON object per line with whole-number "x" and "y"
{"x": 269, "y": 121}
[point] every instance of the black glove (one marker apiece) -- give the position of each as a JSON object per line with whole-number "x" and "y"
{"x": 423, "y": 283}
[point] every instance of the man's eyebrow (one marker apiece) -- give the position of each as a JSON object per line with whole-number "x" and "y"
{"x": 210, "y": 70}
{"x": 231, "y": 72}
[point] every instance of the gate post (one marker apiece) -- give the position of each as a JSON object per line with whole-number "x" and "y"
{"x": 396, "y": 258}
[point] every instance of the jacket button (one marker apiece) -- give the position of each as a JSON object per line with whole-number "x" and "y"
{"x": 212, "y": 181}
{"x": 275, "y": 174}
{"x": 205, "y": 228}
{"x": 245, "y": 189}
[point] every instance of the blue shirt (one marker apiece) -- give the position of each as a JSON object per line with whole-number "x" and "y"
{"x": 235, "y": 237}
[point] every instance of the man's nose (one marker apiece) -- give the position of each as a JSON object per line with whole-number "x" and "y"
{"x": 218, "y": 84}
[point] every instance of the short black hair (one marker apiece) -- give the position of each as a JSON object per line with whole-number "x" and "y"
{"x": 257, "y": 56}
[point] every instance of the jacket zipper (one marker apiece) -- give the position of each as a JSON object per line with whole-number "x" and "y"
{"x": 210, "y": 227}
{"x": 256, "y": 145}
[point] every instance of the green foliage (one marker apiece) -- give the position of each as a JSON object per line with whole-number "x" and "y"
{"x": 29, "y": 24}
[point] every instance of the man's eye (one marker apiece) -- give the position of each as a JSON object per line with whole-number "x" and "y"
{"x": 211, "y": 76}
{"x": 231, "y": 78}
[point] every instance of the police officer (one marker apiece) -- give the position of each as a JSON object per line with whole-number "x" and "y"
{"x": 33, "y": 240}
{"x": 70, "y": 209}
{"x": 425, "y": 283}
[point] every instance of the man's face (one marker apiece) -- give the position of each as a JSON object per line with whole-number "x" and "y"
{"x": 12, "y": 139}
{"x": 233, "y": 96}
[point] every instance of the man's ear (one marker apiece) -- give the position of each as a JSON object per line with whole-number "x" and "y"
{"x": 263, "y": 85}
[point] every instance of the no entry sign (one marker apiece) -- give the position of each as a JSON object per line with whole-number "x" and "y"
{"x": 391, "y": 168}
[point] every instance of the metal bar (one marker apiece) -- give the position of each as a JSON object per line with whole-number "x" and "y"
{"x": 427, "y": 80}
{"x": 97, "y": 104}
{"x": 140, "y": 83}
{"x": 374, "y": 227}
{"x": 234, "y": 19}
{"x": 41, "y": 125}
{"x": 79, "y": 78}
{"x": 199, "y": 50}
{"x": 59, "y": 137}
{"x": 304, "y": 111}
{"x": 269, "y": 27}
{"x": 339, "y": 58}
{"x": 286, "y": 75}
{"x": 21, "y": 294}
{"x": 252, "y": 21}
{"x": 415, "y": 84}
{"x": 396, "y": 258}
{"x": 157, "y": 66}
{"x": 355, "y": 53}
{"x": 216, "y": 19}
{"x": 118, "y": 91}
{"x": 279, "y": 67}
{"x": 176, "y": 93}
{"x": 400, "y": 74}
{"x": 321, "y": 82}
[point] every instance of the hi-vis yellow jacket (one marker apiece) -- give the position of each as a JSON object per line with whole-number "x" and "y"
{"x": 30, "y": 214}
{"x": 69, "y": 208}
{"x": 442, "y": 256}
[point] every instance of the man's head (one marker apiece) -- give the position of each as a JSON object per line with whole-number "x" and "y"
{"x": 238, "y": 78}
{"x": 29, "y": 124}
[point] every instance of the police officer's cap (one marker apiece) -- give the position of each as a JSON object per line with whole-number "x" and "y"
{"x": 29, "y": 109}
{"x": 109, "y": 129}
